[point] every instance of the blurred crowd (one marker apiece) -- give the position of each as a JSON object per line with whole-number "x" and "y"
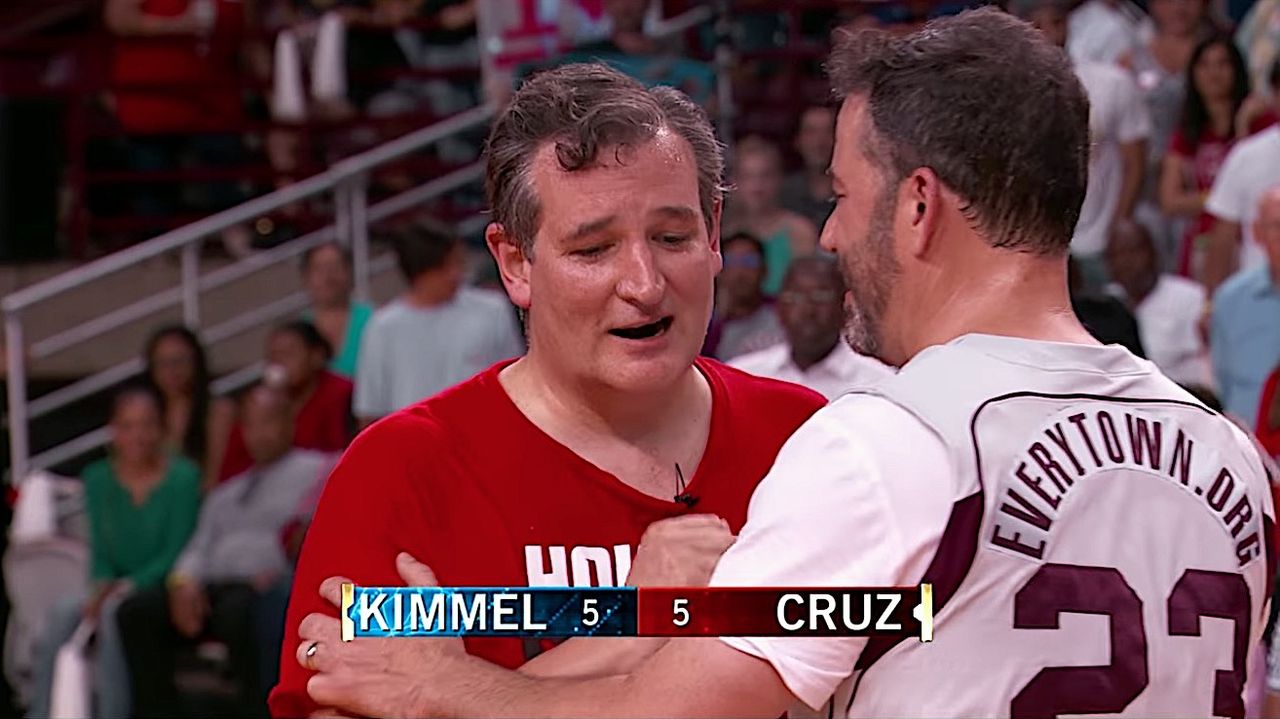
{"x": 197, "y": 514}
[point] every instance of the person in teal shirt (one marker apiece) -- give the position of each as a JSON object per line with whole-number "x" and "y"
{"x": 142, "y": 502}
{"x": 326, "y": 273}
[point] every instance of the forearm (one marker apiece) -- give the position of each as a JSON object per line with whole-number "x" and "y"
{"x": 491, "y": 691}
{"x": 583, "y": 657}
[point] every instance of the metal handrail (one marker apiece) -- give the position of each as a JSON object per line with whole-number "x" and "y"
{"x": 176, "y": 239}
{"x": 347, "y": 180}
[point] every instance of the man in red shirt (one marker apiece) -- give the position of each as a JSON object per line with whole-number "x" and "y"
{"x": 549, "y": 469}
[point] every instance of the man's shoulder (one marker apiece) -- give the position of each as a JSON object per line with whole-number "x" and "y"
{"x": 1265, "y": 142}
{"x": 438, "y": 418}
{"x": 1240, "y": 285}
{"x": 1176, "y": 288}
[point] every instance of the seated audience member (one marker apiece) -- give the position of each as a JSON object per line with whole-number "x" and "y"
{"x": 743, "y": 320}
{"x": 433, "y": 336}
{"x": 1244, "y": 334}
{"x": 326, "y": 272}
{"x": 1250, "y": 170}
{"x": 756, "y": 207}
{"x": 1217, "y": 86}
{"x": 811, "y": 308}
{"x": 320, "y": 401}
{"x": 1106, "y": 317}
{"x": 1166, "y": 306}
{"x": 234, "y": 557}
{"x": 1268, "y": 427}
{"x": 807, "y": 192}
{"x": 195, "y": 422}
{"x": 141, "y": 503}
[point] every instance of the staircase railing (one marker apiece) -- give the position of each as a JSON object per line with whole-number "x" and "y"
{"x": 346, "y": 180}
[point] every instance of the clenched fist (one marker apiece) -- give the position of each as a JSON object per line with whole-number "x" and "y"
{"x": 680, "y": 552}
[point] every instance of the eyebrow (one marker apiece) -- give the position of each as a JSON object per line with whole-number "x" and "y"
{"x": 586, "y": 229}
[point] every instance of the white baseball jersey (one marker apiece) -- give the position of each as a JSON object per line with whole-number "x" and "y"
{"x": 1098, "y": 540}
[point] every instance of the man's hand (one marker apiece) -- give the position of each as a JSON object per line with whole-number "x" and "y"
{"x": 680, "y": 552}
{"x": 188, "y": 607}
{"x": 371, "y": 676}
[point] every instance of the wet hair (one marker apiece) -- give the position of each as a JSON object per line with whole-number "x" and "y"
{"x": 989, "y": 105}
{"x": 196, "y": 437}
{"x": 586, "y": 109}
{"x": 309, "y": 335}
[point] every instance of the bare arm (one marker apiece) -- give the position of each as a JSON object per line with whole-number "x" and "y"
{"x": 1220, "y": 258}
{"x": 1175, "y": 198}
{"x": 586, "y": 657}
{"x": 1134, "y": 157}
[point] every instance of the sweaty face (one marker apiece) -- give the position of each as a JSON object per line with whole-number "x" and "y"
{"x": 1213, "y": 73}
{"x": 327, "y": 277}
{"x": 136, "y": 428}
{"x": 173, "y": 366}
{"x": 811, "y": 309}
{"x": 816, "y": 137}
{"x": 621, "y": 280}
{"x": 758, "y": 180}
{"x": 860, "y": 233}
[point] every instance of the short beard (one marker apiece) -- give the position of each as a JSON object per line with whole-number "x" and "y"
{"x": 870, "y": 273}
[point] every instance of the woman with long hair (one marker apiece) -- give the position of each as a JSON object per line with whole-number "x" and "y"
{"x": 1217, "y": 86}
{"x": 195, "y": 423}
{"x": 141, "y": 502}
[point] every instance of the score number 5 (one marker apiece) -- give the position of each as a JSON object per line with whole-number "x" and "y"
{"x": 680, "y": 612}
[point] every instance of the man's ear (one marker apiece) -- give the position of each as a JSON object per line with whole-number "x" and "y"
{"x": 513, "y": 263}
{"x": 714, "y": 239}
{"x": 920, "y": 210}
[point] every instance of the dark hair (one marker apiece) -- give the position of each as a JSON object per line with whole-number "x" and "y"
{"x": 983, "y": 100}
{"x": 331, "y": 245}
{"x": 1195, "y": 116}
{"x": 309, "y": 335}
{"x": 585, "y": 108}
{"x": 196, "y": 437}
{"x": 421, "y": 247}
{"x": 140, "y": 389}
{"x": 746, "y": 237}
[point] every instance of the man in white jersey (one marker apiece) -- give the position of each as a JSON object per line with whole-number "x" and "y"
{"x": 1094, "y": 535}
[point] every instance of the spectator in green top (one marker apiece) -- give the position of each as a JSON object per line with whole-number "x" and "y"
{"x": 141, "y": 502}
{"x": 326, "y": 273}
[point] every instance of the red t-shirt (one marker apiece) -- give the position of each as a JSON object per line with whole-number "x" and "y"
{"x": 323, "y": 423}
{"x": 1268, "y": 437}
{"x": 195, "y": 80}
{"x": 466, "y": 483}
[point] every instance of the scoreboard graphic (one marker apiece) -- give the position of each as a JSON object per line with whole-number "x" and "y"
{"x": 629, "y": 612}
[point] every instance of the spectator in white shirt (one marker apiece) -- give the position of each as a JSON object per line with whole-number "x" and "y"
{"x": 1103, "y": 31}
{"x": 1166, "y": 306}
{"x": 1250, "y": 170}
{"x": 811, "y": 308}
{"x": 435, "y": 335}
{"x": 1119, "y": 125}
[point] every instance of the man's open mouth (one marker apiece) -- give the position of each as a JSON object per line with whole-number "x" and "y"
{"x": 643, "y": 332}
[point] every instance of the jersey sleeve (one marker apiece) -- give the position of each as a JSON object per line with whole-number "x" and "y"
{"x": 367, "y": 514}
{"x": 859, "y": 496}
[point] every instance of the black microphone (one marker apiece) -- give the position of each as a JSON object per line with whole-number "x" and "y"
{"x": 686, "y": 499}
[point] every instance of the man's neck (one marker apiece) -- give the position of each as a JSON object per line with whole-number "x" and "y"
{"x": 597, "y": 409}
{"x": 1029, "y": 301}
